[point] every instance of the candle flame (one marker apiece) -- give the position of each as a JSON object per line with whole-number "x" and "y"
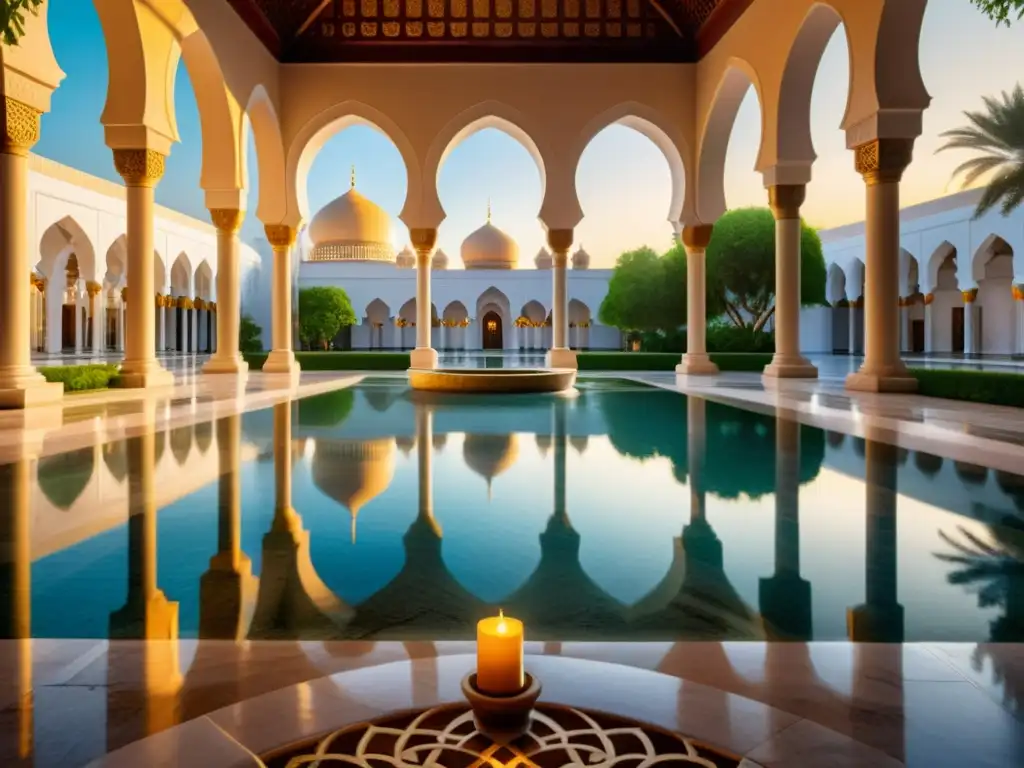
{"x": 501, "y": 622}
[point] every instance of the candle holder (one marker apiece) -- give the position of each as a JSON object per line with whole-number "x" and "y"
{"x": 502, "y": 717}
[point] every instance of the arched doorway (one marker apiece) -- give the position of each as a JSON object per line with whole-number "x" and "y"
{"x": 493, "y": 337}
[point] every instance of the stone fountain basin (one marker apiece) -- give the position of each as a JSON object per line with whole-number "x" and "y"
{"x": 492, "y": 380}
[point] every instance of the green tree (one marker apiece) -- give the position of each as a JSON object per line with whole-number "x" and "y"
{"x": 250, "y": 335}
{"x": 323, "y": 310}
{"x": 996, "y": 135}
{"x": 12, "y": 17}
{"x": 647, "y": 292}
{"x": 741, "y": 267}
{"x": 1001, "y": 11}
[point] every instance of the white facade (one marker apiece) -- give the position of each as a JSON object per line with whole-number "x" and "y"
{"x": 960, "y": 279}
{"x": 77, "y": 231}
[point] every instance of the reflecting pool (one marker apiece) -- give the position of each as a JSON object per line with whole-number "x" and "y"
{"x": 624, "y": 512}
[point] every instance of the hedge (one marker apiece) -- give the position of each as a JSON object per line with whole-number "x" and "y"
{"x": 720, "y": 338}
{"x": 339, "y": 361}
{"x": 79, "y": 378}
{"x": 665, "y": 361}
{"x": 991, "y": 387}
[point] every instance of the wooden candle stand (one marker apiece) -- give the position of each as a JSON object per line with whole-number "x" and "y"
{"x": 503, "y": 718}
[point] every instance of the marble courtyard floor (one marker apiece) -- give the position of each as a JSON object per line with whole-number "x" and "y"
{"x": 222, "y": 703}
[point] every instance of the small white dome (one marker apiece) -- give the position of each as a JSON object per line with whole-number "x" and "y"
{"x": 439, "y": 260}
{"x": 351, "y": 228}
{"x": 581, "y": 259}
{"x": 405, "y": 259}
{"x": 543, "y": 259}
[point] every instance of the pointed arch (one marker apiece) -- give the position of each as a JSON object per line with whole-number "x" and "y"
{"x": 455, "y": 310}
{"x": 835, "y": 287}
{"x": 181, "y": 276}
{"x": 261, "y": 118}
{"x": 202, "y": 280}
{"x": 377, "y": 311}
{"x": 534, "y": 310}
{"x": 61, "y": 238}
{"x": 938, "y": 257}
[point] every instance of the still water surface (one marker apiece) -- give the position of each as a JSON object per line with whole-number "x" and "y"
{"x": 624, "y": 513}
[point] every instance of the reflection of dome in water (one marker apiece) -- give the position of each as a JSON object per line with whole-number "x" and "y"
{"x": 544, "y": 443}
{"x": 440, "y": 439}
{"x": 351, "y": 228}
{"x": 543, "y": 259}
{"x": 579, "y": 442}
{"x": 490, "y": 455}
{"x": 353, "y": 472}
{"x": 405, "y": 443}
{"x": 489, "y": 248}
{"x": 439, "y": 260}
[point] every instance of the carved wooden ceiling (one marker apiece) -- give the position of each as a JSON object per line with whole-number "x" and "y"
{"x": 488, "y": 30}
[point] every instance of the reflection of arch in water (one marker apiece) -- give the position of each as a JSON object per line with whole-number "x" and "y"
{"x": 204, "y": 436}
{"x": 927, "y": 463}
{"x": 115, "y": 456}
{"x": 64, "y": 476}
{"x": 972, "y": 474}
{"x": 181, "y": 443}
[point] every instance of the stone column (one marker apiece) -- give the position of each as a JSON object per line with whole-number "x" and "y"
{"x": 79, "y": 323}
{"x": 971, "y": 346}
{"x": 929, "y": 345}
{"x": 880, "y": 618}
{"x": 281, "y": 359}
{"x": 425, "y": 458}
{"x": 695, "y": 360}
{"x": 785, "y": 597}
{"x": 852, "y": 330}
{"x": 881, "y": 162}
{"x": 141, "y": 170}
{"x": 785, "y": 201}
{"x": 423, "y": 241}
{"x": 195, "y": 329}
{"x": 560, "y": 356}
{"x": 283, "y": 459}
{"x": 119, "y": 324}
{"x": 397, "y": 335}
{"x": 95, "y": 289}
{"x": 229, "y": 293}
{"x": 1018, "y": 310}
{"x": 162, "y": 341}
{"x": 906, "y": 302}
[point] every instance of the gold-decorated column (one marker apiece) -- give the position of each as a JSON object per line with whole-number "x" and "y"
{"x": 20, "y": 384}
{"x": 881, "y": 162}
{"x": 423, "y": 241}
{"x": 788, "y": 363}
{"x": 281, "y": 359}
{"x": 560, "y": 356}
{"x": 695, "y": 361}
{"x": 229, "y": 293}
{"x": 141, "y": 170}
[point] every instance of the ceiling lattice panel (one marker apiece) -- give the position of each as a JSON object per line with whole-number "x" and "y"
{"x": 479, "y": 30}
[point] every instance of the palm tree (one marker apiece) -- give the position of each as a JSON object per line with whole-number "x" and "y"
{"x": 997, "y": 135}
{"x": 12, "y": 18}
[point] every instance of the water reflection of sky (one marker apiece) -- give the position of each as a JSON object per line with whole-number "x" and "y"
{"x": 627, "y": 512}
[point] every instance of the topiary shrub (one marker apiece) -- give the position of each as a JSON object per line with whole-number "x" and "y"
{"x": 80, "y": 378}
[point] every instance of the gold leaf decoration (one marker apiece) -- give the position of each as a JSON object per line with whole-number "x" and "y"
{"x": 348, "y": 8}
{"x": 548, "y": 29}
{"x": 503, "y": 9}
{"x": 327, "y": 29}
{"x": 436, "y": 10}
{"x": 391, "y": 28}
{"x": 503, "y": 29}
{"x": 528, "y": 29}
{"x": 481, "y": 29}
{"x": 614, "y": 8}
{"x": 369, "y": 8}
{"x": 592, "y": 29}
{"x": 435, "y": 28}
{"x": 348, "y": 29}
{"x": 527, "y": 8}
{"x": 459, "y": 29}
{"x": 414, "y": 8}
{"x": 593, "y": 9}
{"x": 614, "y": 29}
{"x": 391, "y": 9}
{"x": 460, "y": 8}
{"x": 481, "y": 8}
{"x": 368, "y": 29}
{"x": 414, "y": 28}
{"x": 571, "y": 29}
{"x": 549, "y": 9}
{"x": 572, "y": 8}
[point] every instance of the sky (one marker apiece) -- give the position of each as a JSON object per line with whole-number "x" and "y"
{"x": 623, "y": 180}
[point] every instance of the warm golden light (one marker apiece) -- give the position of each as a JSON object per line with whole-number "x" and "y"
{"x": 499, "y": 655}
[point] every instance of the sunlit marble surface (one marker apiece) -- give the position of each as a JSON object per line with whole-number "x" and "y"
{"x": 781, "y": 704}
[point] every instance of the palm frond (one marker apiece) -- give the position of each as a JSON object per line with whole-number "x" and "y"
{"x": 975, "y": 167}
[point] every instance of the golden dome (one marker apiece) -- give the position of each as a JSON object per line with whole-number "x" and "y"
{"x": 405, "y": 259}
{"x": 489, "y": 248}
{"x": 354, "y": 472}
{"x": 543, "y": 259}
{"x": 351, "y": 228}
{"x": 581, "y": 259}
{"x": 439, "y": 260}
{"x": 490, "y": 455}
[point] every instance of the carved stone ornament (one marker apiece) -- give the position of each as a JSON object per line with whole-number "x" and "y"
{"x": 423, "y": 239}
{"x": 558, "y": 737}
{"x": 697, "y": 238}
{"x": 970, "y": 295}
{"x": 281, "y": 235}
{"x": 21, "y": 127}
{"x": 560, "y": 241}
{"x": 785, "y": 200}
{"x": 227, "y": 219}
{"x": 139, "y": 167}
{"x": 883, "y": 161}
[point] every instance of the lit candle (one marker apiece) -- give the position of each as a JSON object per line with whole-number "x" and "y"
{"x": 499, "y": 655}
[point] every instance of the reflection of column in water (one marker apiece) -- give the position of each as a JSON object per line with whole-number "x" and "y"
{"x": 880, "y": 618}
{"x": 561, "y": 511}
{"x": 147, "y": 614}
{"x": 696, "y": 452}
{"x": 226, "y": 587}
{"x": 16, "y": 616}
{"x": 785, "y": 597}
{"x": 424, "y": 456}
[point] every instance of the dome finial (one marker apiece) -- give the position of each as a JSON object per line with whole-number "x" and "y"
{"x": 488, "y": 210}
{"x": 352, "y": 177}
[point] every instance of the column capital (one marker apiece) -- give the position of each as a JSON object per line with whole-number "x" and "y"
{"x": 1018, "y": 292}
{"x": 423, "y": 239}
{"x": 227, "y": 220}
{"x": 281, "y": 235}
{"x": 139, "y": 167}
{"x": 882, "y": 161}
{"x": 560, "y": 241}
{"x": 785, "y": 200}
{"x": 970, "y": 295}
{"x": 929, "y": 298}
{"x": 697, "y": 238}
{"x": 21, "y": 127}
{"x": 93, "y": 288}
{"x": 124, "y": 295}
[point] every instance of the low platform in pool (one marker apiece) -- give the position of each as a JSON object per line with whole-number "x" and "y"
{"x": 492, "y": 380}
